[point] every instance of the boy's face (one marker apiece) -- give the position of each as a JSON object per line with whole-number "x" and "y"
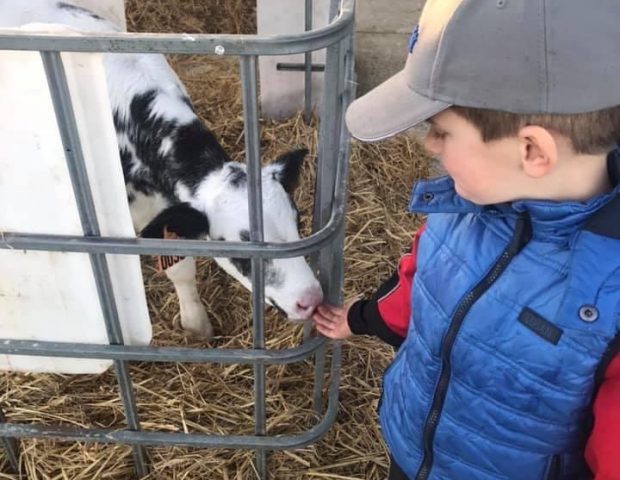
{"x": 483, "y": 173}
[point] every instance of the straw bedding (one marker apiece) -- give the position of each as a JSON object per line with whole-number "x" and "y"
{"x": 218, "y": 398}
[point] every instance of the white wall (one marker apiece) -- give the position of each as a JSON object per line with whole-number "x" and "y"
{"x": 282, "y": 92}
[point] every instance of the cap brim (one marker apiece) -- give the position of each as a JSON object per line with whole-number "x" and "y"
{"x": 390, "y": 108}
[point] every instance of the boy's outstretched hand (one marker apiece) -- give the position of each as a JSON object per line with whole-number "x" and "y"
{"x": 332, "y": 321}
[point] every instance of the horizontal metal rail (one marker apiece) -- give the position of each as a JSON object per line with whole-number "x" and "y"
{"x": 274, "y": 442}
{"x": 240, "y": 45}
{"x": 139, "y": 353}
{"x": 148, "y": 246}
{"x": 196, "y": 248}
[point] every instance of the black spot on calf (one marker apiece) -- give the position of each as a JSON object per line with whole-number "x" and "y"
{"x": 237, "y": 177}
{"x": 185, "y": 221}
{"x": 244, "y": 265}
{"x": 75, "y": 8}
{"x": 193, "y": 153}
{"x": 197, "y": 153}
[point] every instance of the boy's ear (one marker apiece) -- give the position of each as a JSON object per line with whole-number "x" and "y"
{"x": 182, "y": 220}
{"x": 539, "y": 151}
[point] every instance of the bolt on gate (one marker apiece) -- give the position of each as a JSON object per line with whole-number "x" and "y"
{"x": 324, "y": 245}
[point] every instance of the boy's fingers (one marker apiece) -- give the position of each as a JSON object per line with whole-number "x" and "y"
{"x": 327, "y": 333}
{"x": 331, "y": 321}
{"x": 325, "y": 324}
{"x": 319, "y": 317}
{"x": 334, "y": 315}
{"x": 330, "y": 310}
{"x": 323, "y": 331}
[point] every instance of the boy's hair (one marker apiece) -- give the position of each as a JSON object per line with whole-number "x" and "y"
{"x": 590, "y": 133}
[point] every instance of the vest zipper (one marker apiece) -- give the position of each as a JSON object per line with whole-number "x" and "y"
{"x": 521, "y": 236}
{"x": 554, "y": 468}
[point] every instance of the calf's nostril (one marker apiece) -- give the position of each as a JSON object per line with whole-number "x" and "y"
{"x": 301, "y": 306}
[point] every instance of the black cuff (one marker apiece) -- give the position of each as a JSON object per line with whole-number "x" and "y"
{"x": 364, "y": 319}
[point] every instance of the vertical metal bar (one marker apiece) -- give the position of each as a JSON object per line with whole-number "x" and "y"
{"x": 307, "y": 331}
{"x": 334, "y": 7}
{"x": 329, "y": 136}
{"x": 335, "y": 292}
{"x": 308, "y": 66}
{"x": 332, "y": 254}
{"x": 68, "y": 130}
{"x": 339, "y": 83}
{"x": 11, "y": 447}
{"x": 255, "y": 207}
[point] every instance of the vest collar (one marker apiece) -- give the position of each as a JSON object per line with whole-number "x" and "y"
{"x": 549, "y": 218}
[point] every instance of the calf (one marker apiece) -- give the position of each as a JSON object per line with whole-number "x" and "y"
{"x": 178, "y": 177}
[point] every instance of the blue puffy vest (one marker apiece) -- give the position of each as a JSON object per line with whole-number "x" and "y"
{"x": 513, "y": 309}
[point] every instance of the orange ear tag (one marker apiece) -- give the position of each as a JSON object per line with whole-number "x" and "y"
{"x": 166, "y": 261}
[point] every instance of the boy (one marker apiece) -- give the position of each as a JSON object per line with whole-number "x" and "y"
{"x": 508, "y": 308}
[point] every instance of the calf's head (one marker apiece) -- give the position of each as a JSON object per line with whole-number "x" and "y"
{"x": 219, "y": 210}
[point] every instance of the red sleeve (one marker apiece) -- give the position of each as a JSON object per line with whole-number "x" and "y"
{"x": 603, "y": 447}
{"x": 395, "y": 306}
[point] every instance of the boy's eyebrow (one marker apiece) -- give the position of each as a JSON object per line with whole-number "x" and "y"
{"x": 433, "y": 123}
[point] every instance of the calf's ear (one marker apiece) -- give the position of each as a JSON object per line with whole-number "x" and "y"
{"x": 181, "y": 219}
{"x": 287, "y": 167}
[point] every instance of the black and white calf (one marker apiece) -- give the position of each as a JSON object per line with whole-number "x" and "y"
{"x": 179, "y": 177}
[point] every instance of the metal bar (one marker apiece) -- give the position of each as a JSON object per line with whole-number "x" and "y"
{"x": 332, "y": 255}
{"x": 329, "y": 135}
{"x": 331, "y": 231}
{"x": 307, "y": 331}
{"x": 335, "y": 6}
{"x": 279, "y": 442}
{"x": 334, "y": 293}
{"x": 308, "y": 66}
{"x": 333, "y": 252}
{"x": 135, "y": 246}
{"x": 195, "y": 248}
{"x": 137, "y": 353}
{"x": 299, "y": 67}
{"x": 326, "y": 187}
{"x": 240, "y": 45}
{"x": 132, "y": 437}
{"x": 11, "y": 447}
{"x": 68, "y": 130}
{"x": 255, "y": 210}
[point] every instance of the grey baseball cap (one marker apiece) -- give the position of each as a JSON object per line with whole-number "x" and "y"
{"x": 521, "y": 56}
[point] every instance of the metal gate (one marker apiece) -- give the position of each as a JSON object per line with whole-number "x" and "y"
{"x": 324, "y": 245}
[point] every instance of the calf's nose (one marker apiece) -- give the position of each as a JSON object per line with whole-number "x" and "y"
{"x": 310, "y": 299}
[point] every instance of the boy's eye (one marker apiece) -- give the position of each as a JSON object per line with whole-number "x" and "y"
{"x": 438, "y": 134}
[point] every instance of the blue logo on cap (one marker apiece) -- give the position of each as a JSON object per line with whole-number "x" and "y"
{"x": 413, "y": 38}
